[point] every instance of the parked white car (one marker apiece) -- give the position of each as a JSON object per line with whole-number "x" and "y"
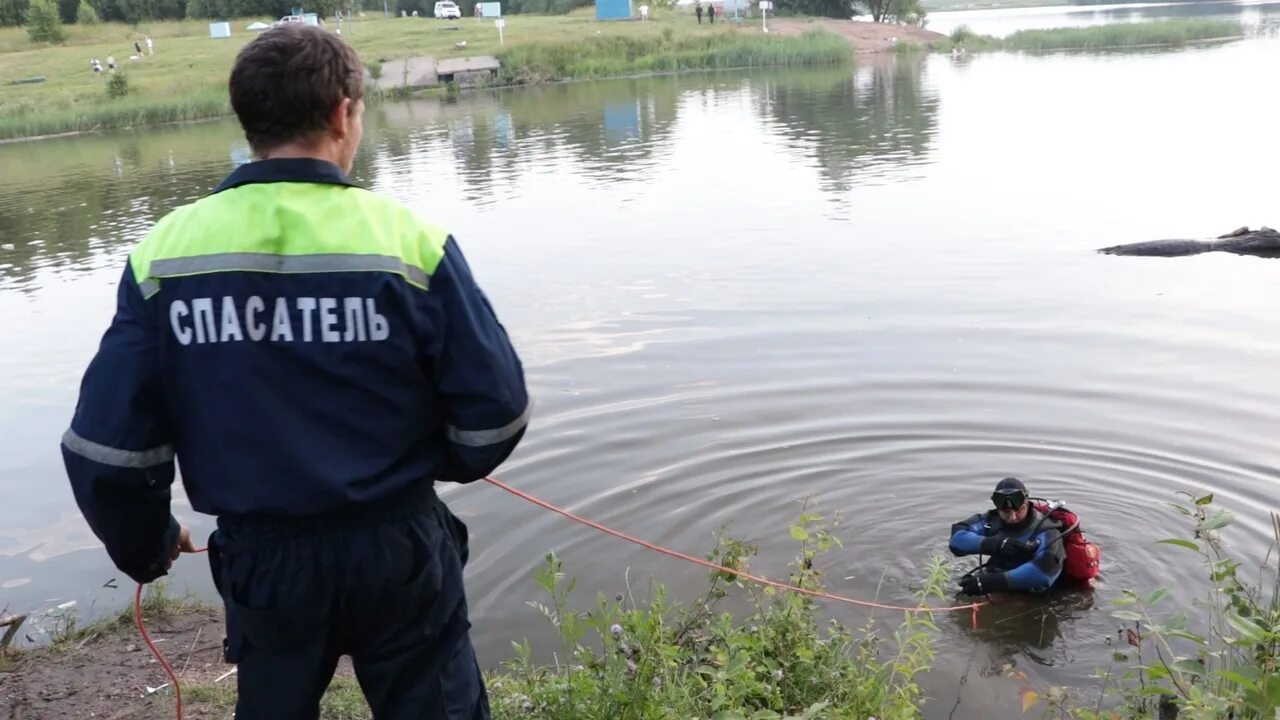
{"x": 448, "y": 9}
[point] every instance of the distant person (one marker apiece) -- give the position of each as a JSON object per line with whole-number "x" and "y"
{"x": 111, "y": 63}
{"x": 1024, "y": 545}
{"x": 137, "y": 46}
{"x": 698, "y": 11}
{"x": 151, "y": 47}
{"x": 96, "y": 66}
{"x": 644, "y": 12}
{"x": 711, "y": 14}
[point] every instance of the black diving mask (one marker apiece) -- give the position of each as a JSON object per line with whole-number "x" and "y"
{"x": 1008, "y": 499}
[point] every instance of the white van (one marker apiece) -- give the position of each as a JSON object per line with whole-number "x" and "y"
{"x": 448, "y": 9}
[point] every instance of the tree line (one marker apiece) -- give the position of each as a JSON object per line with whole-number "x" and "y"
{"x": 16, "y": 12}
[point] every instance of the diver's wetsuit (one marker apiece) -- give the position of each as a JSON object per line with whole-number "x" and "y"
{"x": 984, "y": 534}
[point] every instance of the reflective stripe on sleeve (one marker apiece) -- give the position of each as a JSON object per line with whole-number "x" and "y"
{"x": 480, "y": 438}
{"x": 115, "y": 456}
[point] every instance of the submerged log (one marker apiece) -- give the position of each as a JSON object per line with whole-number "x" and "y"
{"x": 1264, "y": 242}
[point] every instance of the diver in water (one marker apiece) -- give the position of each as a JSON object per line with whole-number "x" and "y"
{"x": 1024, "y": 545}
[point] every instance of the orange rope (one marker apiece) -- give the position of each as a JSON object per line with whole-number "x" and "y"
{"x": 155, "y": 651}
{"x": 713, "y": 566}
{"x": 146, "y": 637}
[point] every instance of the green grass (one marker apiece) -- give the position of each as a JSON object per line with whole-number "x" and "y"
{"x": 342, "y": 701}
{"x": 186, "y": 79}
{"x": 116, "y": 113}
{"x": 1172, "y": 33}
{"x": 158, "y": 603}
{"x": 612, "y": 56}
{"x": 1167, "y": 32}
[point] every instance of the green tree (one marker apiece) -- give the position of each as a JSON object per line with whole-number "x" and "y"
{"x": 904, "y": 11}
{"x": 85, "y": 14}
{"x": 43, "y": 23}
{"x": 13, "y": 12}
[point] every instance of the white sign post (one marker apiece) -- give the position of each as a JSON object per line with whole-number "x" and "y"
{"x": 500, "y": 23}
{"x": 765, "y": 7}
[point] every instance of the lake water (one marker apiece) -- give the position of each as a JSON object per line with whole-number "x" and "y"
{"x": 871, "y": 287}
{"x": 1262, "y": 16}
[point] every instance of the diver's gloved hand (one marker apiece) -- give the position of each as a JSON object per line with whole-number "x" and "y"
{"x": 1018, "y": 550}
{"x": 1008, "y": 547}
{"x": 969, "y": 584}
{"x": 981, "y": 583}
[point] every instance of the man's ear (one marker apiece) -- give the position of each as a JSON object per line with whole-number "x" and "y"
{"x": 340, "y": 118}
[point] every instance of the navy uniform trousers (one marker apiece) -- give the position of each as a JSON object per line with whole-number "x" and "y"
{"x": 382, "y": 584}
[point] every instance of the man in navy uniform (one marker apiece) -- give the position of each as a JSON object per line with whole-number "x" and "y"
{"x": 316, "y": 358}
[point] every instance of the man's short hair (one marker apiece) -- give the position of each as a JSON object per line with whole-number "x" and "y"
{"x": 287, "y": 81}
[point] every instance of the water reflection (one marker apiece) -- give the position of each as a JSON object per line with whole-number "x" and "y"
{"x": 63, "y": 201}
{"x": 1255, "y": 16}
{"x": 857, "y": 128}
{"x": 1014, "y": 627}
{"x": 855, "y": 124}
{"x": 70, "y": 199}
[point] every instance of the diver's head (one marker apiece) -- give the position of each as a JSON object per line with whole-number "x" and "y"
{"x": 1010, "y": 498}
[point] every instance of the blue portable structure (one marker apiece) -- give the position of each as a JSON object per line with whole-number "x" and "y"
{"x": 613, "y": 9}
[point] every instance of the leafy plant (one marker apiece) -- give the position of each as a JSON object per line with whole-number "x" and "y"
{"x": 1172, "y": 667}
{"x": 625, "y": 660}
{"x": 118, "y": 85}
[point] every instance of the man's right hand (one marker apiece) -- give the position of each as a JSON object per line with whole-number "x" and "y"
{"x": 185, "y": 545}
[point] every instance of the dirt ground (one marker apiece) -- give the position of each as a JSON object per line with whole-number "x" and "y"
{"x": 107, "y": 677}
{"x": 867, "y": 37}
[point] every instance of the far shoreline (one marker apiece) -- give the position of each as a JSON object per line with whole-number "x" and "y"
{"x": 791, "y": 42}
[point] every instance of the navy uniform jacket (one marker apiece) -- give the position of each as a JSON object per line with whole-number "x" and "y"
{"x": 1034, "y": 575}
{"x": 299, "y": 345}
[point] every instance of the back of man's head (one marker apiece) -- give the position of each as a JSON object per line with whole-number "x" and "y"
{"x": 287, "y": 82}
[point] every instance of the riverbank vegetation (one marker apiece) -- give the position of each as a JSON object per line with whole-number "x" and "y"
{"x": 186, "y": 78}
{"x": 1174, "y": 33}
{"x": 1217, "y": 659}
{"x": 613, "y": 56}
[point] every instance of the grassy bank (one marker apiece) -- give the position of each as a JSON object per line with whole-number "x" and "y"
{"x": 186, "y": 78}
{"x": 613, "y": 56}
{"x": 1171, "y": 33}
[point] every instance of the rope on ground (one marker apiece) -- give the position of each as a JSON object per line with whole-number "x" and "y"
{"x": 973, "y": 607}
{"x": 146, "y": 637}
{"x": 155, "y": 651}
